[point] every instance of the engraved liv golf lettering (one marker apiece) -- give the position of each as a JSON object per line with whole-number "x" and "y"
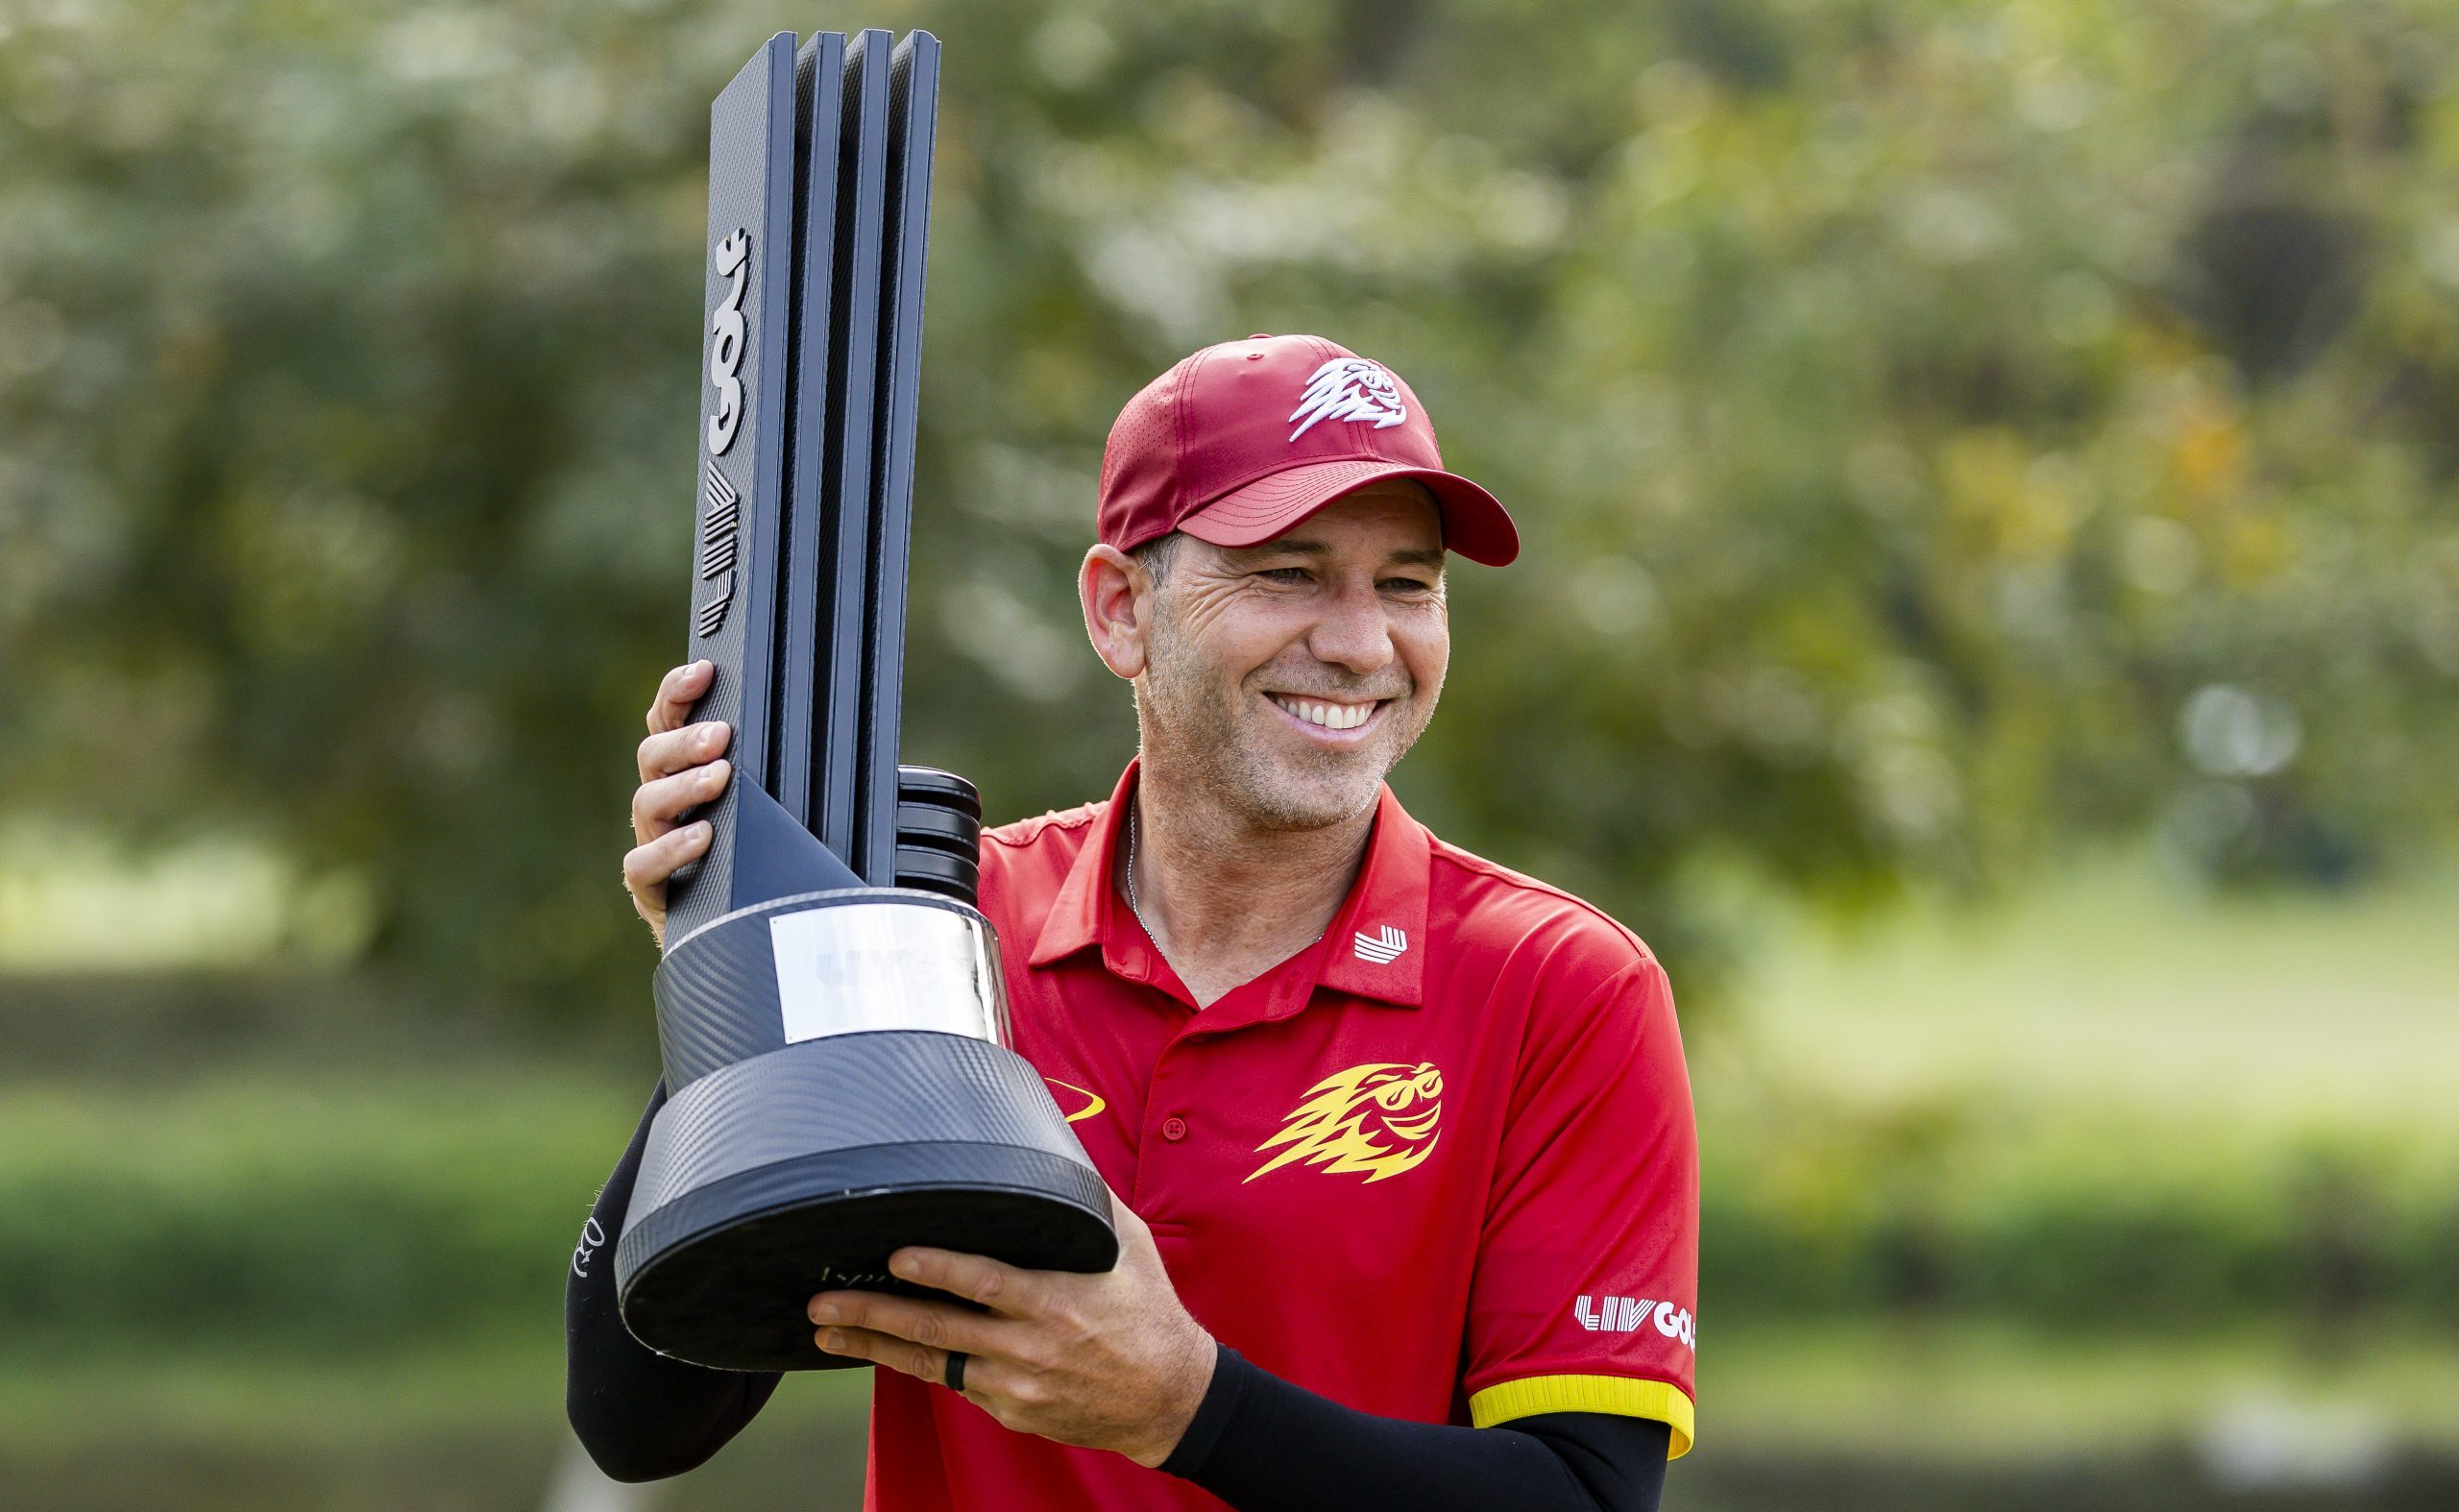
{"x": 721, "y": 508}
{"x": 725, "y": 345}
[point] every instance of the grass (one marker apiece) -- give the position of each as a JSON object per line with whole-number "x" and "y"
{"x": 2112, "y": 987}
{"x": 468, "y": 1426}
{"x": 1887, "y": 1129}
{"x": 325, "y": 1216}
{"x": 1982, "y": 1392}
{"x": 264, "y": 1399}
{"x": 1926, "y": 1390}
{"x": 333, "y": 1283}
{"x": 267, "y": 1207}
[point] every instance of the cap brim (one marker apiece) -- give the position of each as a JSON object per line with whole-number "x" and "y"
{"x": 1474, "y": 524}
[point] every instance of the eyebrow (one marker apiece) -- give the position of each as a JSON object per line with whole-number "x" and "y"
{"x": 1414, "y": 556}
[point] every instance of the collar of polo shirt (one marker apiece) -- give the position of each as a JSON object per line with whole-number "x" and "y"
{"x": 1386, "y": 903}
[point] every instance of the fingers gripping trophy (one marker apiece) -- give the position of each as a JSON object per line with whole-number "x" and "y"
{"x": 830, "y": 1006}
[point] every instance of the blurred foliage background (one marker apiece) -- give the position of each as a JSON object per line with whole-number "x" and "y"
{"x": 1987, "y": 472}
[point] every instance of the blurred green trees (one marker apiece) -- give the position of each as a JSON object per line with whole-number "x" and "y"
{"x": 1938, "y": 428}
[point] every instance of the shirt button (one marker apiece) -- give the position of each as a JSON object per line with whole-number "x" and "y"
{"x": 1174, "y": 1129}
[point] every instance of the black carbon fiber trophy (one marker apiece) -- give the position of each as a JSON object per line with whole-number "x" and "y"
{"x": 830, "y": 1008}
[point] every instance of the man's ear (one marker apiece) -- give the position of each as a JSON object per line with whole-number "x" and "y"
{"x": 1117, "y": 595}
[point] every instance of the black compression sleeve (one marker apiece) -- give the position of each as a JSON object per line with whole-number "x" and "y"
{"x": 640, "y": 1415}
{"x": 1263, "y": 1443}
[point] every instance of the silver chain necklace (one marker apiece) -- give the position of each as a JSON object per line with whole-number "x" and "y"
{"x": 1132, "y": 905}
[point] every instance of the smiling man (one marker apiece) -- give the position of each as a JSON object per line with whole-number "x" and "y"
{"x": 1399, "y": 1141}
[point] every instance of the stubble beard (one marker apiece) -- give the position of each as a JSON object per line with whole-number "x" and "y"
{"x": 1195, "y": 723}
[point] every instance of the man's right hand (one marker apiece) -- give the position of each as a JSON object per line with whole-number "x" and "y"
{"x": 681, "y": 767}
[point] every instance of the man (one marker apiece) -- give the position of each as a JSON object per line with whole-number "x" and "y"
{"x": 1399, "y": 1141}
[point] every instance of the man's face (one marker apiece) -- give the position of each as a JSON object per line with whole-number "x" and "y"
{"x": 1292, "y": 675}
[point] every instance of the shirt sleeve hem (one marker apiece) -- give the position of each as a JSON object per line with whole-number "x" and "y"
{"x": 1618, "y": 1396}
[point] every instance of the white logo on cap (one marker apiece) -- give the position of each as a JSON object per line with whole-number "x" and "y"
{"x": 1350, "y": 388}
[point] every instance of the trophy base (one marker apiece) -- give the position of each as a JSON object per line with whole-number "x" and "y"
{"x": 730, "y": 1234}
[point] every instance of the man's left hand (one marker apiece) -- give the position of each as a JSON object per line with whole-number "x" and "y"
{"x": 1110, "y": 1361}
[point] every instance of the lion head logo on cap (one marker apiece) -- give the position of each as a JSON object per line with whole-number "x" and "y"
{"x": 1350, "y": 388}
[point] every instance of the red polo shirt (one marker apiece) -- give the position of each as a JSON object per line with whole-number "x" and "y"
{"x": 1439, "y": 1165}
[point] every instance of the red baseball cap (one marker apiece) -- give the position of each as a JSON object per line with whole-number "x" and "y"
{"x": 1243, "y": 439}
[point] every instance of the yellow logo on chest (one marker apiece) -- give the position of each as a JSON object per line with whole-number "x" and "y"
{"x": 1085, "y": 1100}
{"x": 1375, "y": 1120}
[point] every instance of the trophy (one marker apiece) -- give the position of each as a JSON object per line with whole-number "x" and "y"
{"x": 830, "y": 1012}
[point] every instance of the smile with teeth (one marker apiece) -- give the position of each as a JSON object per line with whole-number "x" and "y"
{"x": 1329, "y": 716}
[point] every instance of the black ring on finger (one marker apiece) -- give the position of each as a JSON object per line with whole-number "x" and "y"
{"x": 955, "y": 1376}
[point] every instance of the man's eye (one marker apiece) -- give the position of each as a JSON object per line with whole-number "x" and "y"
{"x": 1407, "y": 585}
{"x": 1284, "y": 574}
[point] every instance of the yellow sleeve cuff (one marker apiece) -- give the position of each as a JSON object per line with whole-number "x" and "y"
{"x": 1621, "y": 1395}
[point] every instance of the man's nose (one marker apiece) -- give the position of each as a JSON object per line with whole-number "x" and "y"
{"x": 1354, "y": 633}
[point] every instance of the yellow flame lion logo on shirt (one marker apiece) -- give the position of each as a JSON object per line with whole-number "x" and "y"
{"x": 1376, "y": 1119}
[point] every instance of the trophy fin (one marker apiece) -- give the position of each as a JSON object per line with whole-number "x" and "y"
{"x": 775, "y": 857}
